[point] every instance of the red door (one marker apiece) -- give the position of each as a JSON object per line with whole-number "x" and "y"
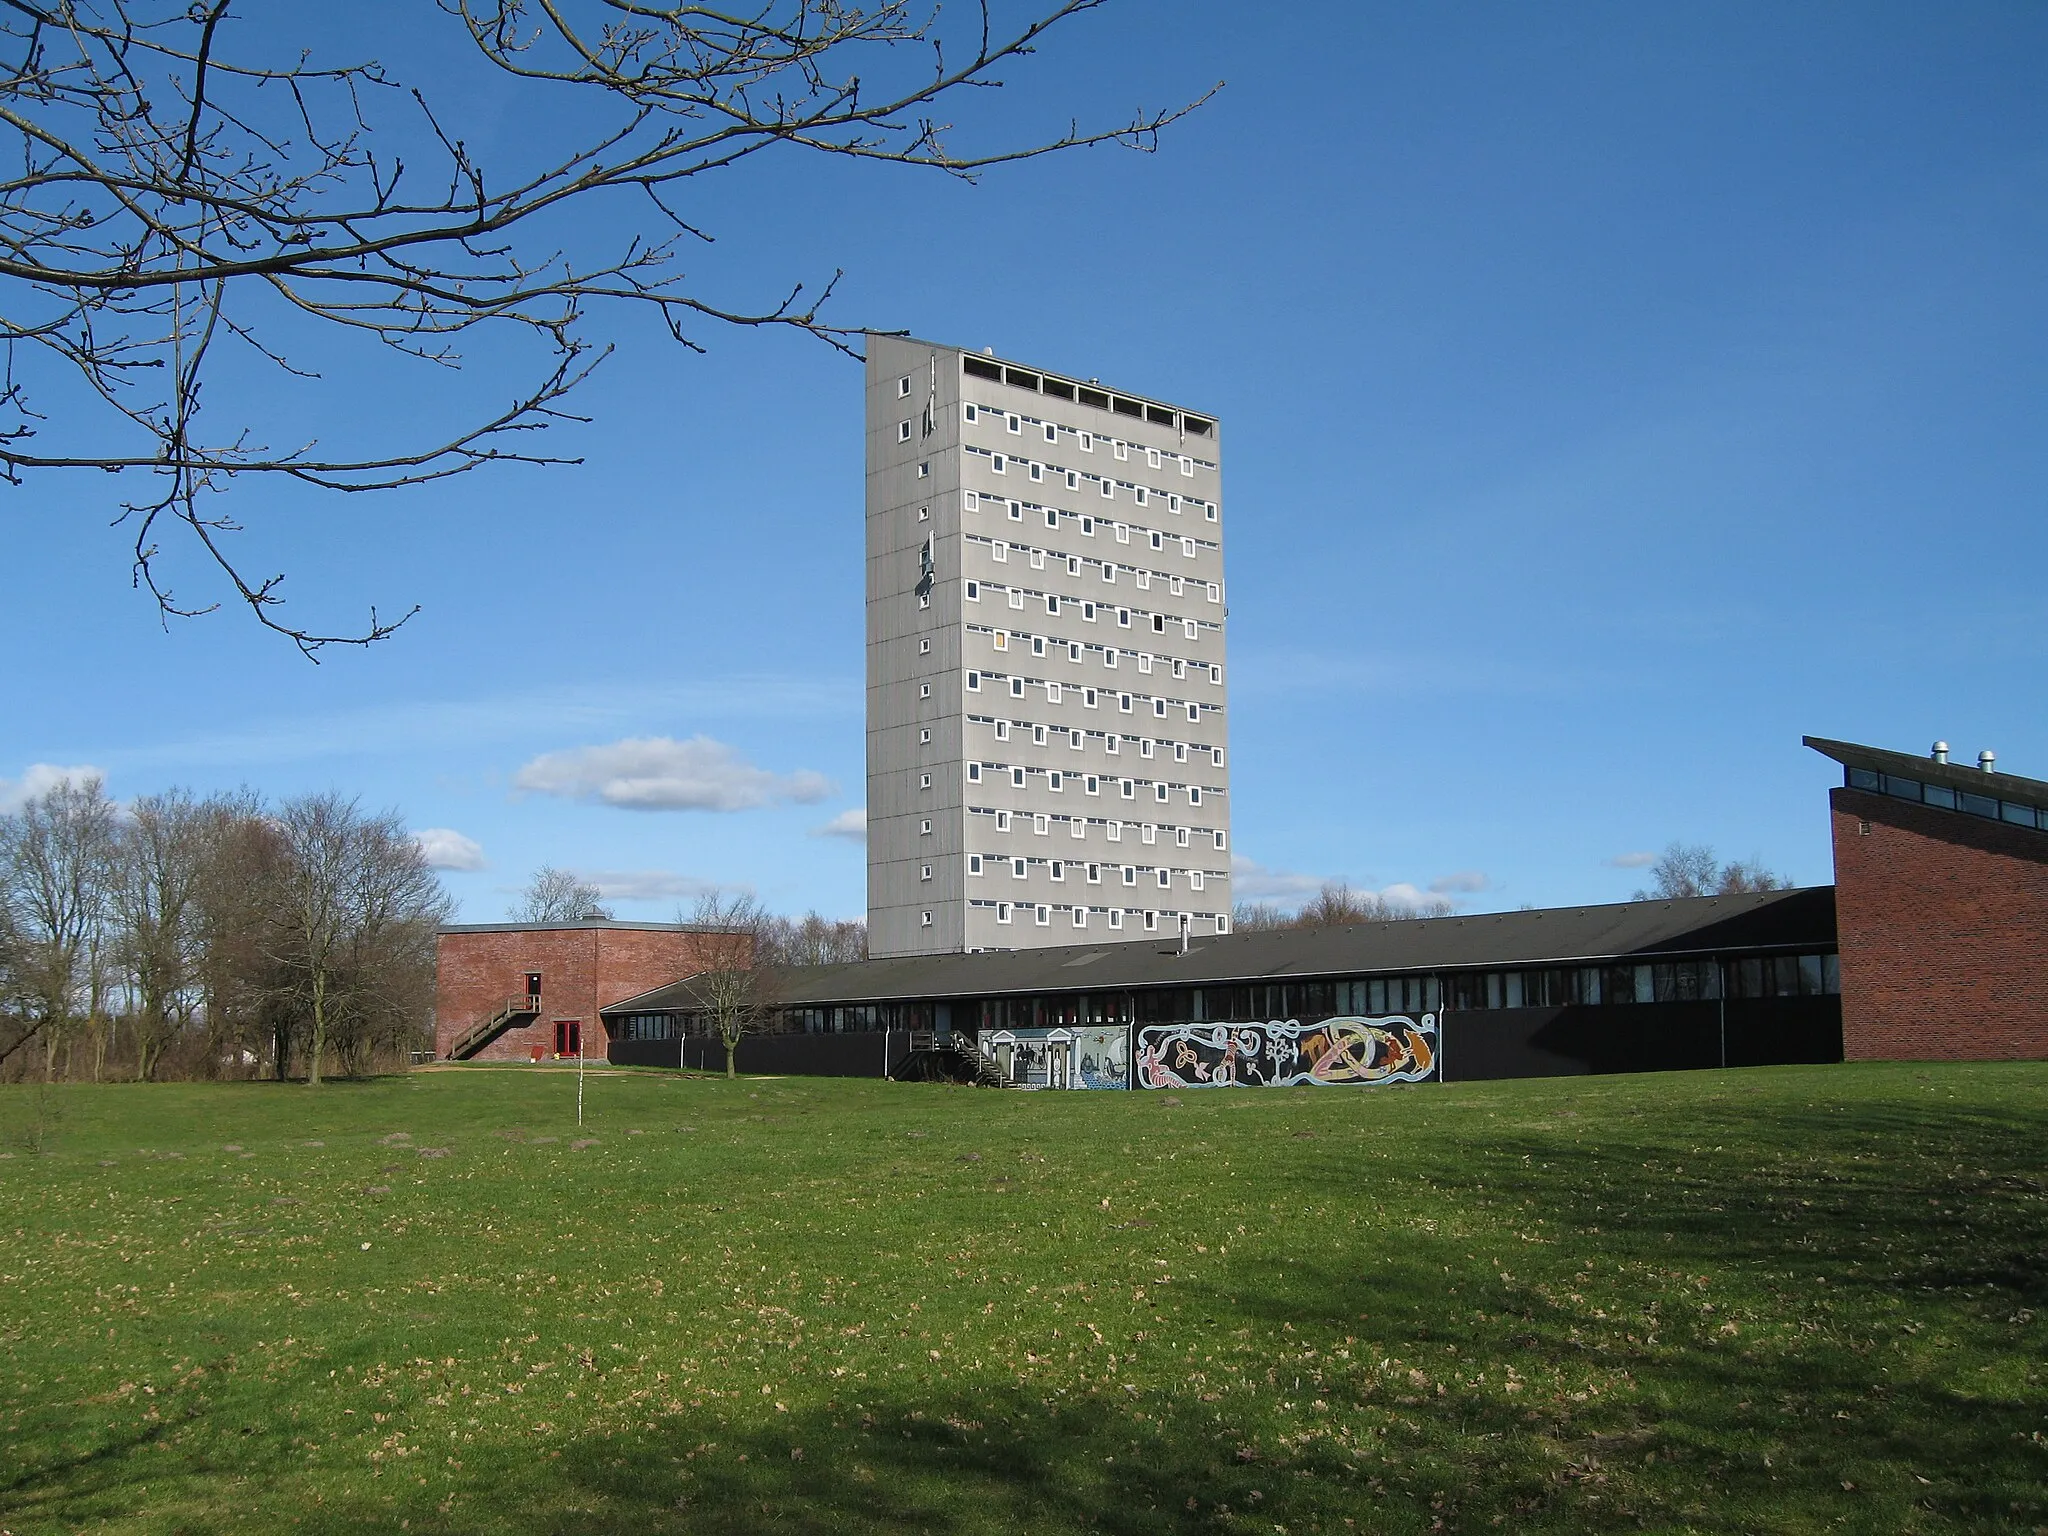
{"x": 568, "y": 1037}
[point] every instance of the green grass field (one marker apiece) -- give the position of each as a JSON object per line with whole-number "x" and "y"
{"x": 1784, "y": 1300}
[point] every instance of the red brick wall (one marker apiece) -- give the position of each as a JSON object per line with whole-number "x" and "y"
{"x": 582, "y": 970}
{"x": 1944, "y": 933}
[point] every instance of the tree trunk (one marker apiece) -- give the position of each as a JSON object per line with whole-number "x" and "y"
{"x": 319, "y": 1025}
{"x": 732, "y": 1049}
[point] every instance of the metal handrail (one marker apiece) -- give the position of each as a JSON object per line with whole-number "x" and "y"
{"x": 493, "y": 1023}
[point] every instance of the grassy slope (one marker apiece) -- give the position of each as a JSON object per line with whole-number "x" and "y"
{"x": 1777, "y": 1300}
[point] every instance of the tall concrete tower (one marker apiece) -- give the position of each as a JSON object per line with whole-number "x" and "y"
{"x": 1047, "y": 724}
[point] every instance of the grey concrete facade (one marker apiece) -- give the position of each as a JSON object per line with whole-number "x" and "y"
{"x": 1046, "y": 700}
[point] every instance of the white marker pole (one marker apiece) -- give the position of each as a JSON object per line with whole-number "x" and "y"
{"x": 579, "y": 1079}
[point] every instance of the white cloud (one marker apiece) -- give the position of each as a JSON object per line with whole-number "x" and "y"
{"x": 851, "y": 825}
{"x": 643, "y": 884}
{"x": 1633, "y": 860}
{"x": 1402, "y": 893}
{"x": 445, "y": 848}
{"x": 1464, "y": 882}
{"x": 416, "y": 726}
{"x": 658, "y": 773}
{"x": 1252, "y": 881}
{"x": 40, "y": 779}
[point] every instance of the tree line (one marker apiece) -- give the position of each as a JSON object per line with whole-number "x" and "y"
{"x": 1336, "y": 905}
{"x": 561, "y": 896}
{"x": 1681, "y": 870}
{"x": 211, "y": 937}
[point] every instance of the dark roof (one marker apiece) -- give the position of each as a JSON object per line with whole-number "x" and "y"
{"x": 1905, "y": 765}
{"x": 593, "y": 923}
{"x": 1801, "y": 919}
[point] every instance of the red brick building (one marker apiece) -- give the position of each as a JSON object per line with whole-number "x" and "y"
{"x": 533, "y": 991}
{"x": 1941, "y": 901}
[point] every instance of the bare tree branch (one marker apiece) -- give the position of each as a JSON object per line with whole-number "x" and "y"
{"x": 171, "y": 194}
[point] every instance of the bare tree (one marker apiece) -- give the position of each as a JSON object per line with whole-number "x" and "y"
{"x": 1337, "y": 905}
{"x": 160, "y": 865}
{"x": 1259, "y": 917}
{"x": 384, "y": 996}
{"x": 1747, "y": 875}
{"x": 345, "y": 887}
{"x": 242, "y": 1000}
{"x": 813, "y": 940}
{"x": 736, "y": 987}
{"x": 187, "y": 193}
{"x": 55, "y": 858}
{"x": 557, "y": 896}
{"x": 1691, "y": 869}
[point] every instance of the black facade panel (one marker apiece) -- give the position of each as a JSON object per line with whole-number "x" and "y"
{"x": 644, "y": 1053}
{"x": 1652, "y": 1037}
{"x": 1784, "y": 1031}
{"x": 1564, "y": 1042}
{"x": 853, "y": 1055}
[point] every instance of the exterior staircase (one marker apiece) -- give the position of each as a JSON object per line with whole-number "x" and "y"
{"x": 492, "y": 1025}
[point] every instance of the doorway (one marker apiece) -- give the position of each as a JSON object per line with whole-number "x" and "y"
{"x": 568, "y": 1037}
{"x": 533, "y": 987}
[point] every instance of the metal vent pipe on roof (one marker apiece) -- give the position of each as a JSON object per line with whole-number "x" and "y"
{"x": 1940, "y": 752}
{"x": 1987, "y": 760}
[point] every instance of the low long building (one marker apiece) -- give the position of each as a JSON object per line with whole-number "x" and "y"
{"x": 1710, "y": 981}
{"x": 1928, "y": 946}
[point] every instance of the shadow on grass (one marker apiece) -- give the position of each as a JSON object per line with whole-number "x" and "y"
{"x": 1875, "y": 1267}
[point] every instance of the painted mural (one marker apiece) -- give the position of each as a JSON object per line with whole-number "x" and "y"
{"x": 1284, "y": 1053}
{"x": 1104, "y": 1056}
{"x": 1071, "y": 1056}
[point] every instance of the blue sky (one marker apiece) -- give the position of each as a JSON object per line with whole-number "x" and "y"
{"x": 1610, "y": 395}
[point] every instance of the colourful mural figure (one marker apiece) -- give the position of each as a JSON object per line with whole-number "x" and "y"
{"x": 1284, "y": 1053}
